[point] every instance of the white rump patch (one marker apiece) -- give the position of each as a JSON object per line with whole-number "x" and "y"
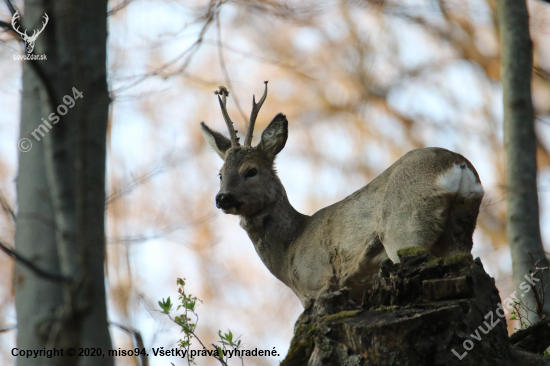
{"x": 460, "y": 179}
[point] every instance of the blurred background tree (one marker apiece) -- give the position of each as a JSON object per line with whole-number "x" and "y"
{"x": 60, "y": 223}
{"x": 520, "y": 143}
{"x": 361, "y": 82}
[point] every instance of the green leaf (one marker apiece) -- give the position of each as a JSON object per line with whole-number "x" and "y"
{"x": 190, "y": 305}
{"x": 166, "y": 305}
{"x": 230, "y": 336}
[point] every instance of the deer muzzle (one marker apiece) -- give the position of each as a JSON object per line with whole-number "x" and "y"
{"x": 226, "y": 201}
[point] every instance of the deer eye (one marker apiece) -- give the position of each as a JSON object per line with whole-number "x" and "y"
{"x": 251, "y": 173}
{"x": 219, "y": 175}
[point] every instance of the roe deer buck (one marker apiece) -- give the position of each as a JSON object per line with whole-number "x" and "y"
{"x": 428, "y": 198}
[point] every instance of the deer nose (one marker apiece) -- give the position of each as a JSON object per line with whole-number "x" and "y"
{"x": 226, "y": 201}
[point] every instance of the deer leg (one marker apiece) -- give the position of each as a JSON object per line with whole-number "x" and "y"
{"x": 418, "y": 223}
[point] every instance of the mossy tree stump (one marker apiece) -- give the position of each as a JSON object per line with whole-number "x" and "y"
{"x": 423, "y": 311}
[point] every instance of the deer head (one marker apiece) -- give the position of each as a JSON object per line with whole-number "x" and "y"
{"x": 29, "y": 40}
{"x": 248, "y": 181}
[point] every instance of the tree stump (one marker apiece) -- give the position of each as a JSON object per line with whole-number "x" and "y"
{"x": 422, "y": 311}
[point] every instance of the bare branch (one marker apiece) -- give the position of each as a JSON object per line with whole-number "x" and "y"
{"x": 253, "y": 115}
{"x": 118, "y": 7}
{"x": 12, "y": 7}
{"x": 7, "y": 26}
{"x": 138, "y": 339}
{"x": 33, "y": 267}
{"x": 7, "y": 329}
{"x": 6, "y": 206}
{"x": 222, "y": 63}
{"x": 188, "y": 54}
{"x": 119, "y": 193}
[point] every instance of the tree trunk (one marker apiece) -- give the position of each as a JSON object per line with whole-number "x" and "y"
{"x": 520, "y": 142}
{"x": 61, "y": 183}
{"x": 423, "y": 311}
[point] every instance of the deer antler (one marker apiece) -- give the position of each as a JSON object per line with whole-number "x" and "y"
{"x": 17, "y": 16}
{"x": 222, "y": 94}
{"x": 253, "y": 116}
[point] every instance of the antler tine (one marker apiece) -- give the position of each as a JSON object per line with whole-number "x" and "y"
{"x": 223, "y": 93}
{"x": 253, "y": 116}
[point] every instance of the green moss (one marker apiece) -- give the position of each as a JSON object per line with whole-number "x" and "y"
{"x": 326, "y": 345}
{"x": 340, "y": 315}
{"x": 458, "y": 259}
{"x": 434, "y": 261}
{"x": 408, "y": 252}
{"x": 411, "y": 252}
{"x": 301, "y": 346}
{"x": 387, "y": 308}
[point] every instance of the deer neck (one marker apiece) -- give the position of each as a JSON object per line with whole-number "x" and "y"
{"x": 272, "y": 230}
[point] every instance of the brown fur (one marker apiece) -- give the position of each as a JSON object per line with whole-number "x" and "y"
{"x": 428, "y": 198}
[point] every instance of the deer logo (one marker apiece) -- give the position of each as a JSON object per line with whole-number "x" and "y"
{"x": 428, "y": 198}
{"x": 29, "y": 40}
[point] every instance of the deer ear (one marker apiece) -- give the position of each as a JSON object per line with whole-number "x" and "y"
{"x": 274, "y": 136}
{"x": 219, "y": 142}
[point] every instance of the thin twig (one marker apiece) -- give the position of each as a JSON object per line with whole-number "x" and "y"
{"x": 198, "y": 339}
{"x": 33, "y": 267}
{"x": 7, "y": 329}
{"x": 118, "y": 7}
{"x": 7, "y": 26}
{"x": 224, "y": 68}
{"x": 6, "y": 206}
{"x": 129, "y": 188}
{"x": 220, "y": 358}
{"x": 188, "y": 53}
{"x": 138, "y": 339}
{"x": 10, "y": 5}
{"x": 262, "y": 59}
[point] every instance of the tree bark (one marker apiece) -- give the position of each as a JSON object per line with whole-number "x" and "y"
{"x": 422, "y": 311}
{"x": 35, "y": 298}
{"x": 520, "y": 143}
{"x": 61, "y": 183}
